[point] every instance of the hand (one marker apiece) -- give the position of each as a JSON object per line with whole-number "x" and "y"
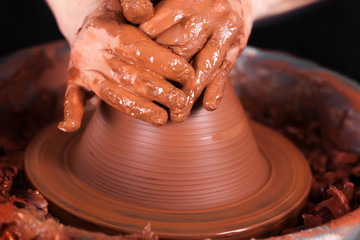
{"x": 125, "y": 68}
{"x": 215, "y": 30}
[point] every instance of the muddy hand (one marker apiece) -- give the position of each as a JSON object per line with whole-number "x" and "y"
{"x": 125, "y": 68}
{"x": 209, "y": 32}
{"x": 137, "y": 11}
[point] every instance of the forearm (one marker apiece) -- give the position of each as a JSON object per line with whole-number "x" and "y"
{"x": 70, "y": 14}
{"x": 267, "y": 8}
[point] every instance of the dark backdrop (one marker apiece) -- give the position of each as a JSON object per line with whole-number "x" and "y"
{"x": 326, "y": 33}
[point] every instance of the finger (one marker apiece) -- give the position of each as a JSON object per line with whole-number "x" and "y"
{"x": 174, "y": 36}
{"x": 147, "y": 54}
{"x": 215, "y": 90}
{"x": 209, "y": 59}
{"x": 165, "y": 63}
{"x": 206, "y": 63}
{"x": 127, "y": 102}
{"x": 137, "y": 11}
{"x": 167, "y": 14}
{"x": 73, "y": 108}
{"x": 188, "y": 37}
{"x": 147, "y": 85}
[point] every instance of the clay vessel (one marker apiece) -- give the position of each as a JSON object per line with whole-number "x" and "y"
{"x": 207, "y": 161}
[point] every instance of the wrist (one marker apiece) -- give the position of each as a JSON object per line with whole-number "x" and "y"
{"x": 70, "y": 15}
{"x": 260, "y": 8}
{"x": 245, "y": 9}
{"x": 268, "y": 8}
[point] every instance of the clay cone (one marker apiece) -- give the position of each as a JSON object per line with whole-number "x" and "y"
{"x": 209, "y": 160}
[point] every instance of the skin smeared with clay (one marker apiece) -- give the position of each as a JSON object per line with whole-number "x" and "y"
{"x": 138, "y": 11}
{"x": 211, "y": 34}
{"x": 208, "y": 33}
{"x": 112, "y": 59}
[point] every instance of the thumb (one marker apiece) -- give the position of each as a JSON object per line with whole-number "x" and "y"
{"x": 73, "y": 108}
{"x": 137, "y": 11}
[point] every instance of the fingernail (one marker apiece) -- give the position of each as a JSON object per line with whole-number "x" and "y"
{"x": 68, "y": 126}
{"x": 159, "y": 119}
{"x": 212, "y": 105}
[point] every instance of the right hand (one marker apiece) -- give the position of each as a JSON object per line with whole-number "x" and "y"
{"x": 209, "y": 32}
{"x": 125, "y": 68}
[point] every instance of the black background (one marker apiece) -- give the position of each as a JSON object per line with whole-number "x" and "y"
{"x": 327, "y": 33}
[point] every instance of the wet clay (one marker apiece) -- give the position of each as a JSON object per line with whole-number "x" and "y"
{"x": 137, "y": 12}
{"x": 20, "y": 223}
{"x": 202, "y": 163}
{"x": 214, "y": 168}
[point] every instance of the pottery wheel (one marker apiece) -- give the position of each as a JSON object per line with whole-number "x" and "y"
{"x": 223, "y": 194}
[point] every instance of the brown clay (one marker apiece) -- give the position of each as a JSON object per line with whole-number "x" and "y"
{"x": 203, "y": 163}
{"x": 122, "y": 173}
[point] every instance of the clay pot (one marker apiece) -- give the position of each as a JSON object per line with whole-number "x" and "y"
{"x": 210, "y": 160}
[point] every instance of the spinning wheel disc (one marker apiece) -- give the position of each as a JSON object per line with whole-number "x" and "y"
{"x": 273, "y": 206}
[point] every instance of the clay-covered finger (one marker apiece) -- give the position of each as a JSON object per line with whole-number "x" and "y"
{"x": 188, "y": 37}
{"x": 167, "y": 14}
{"x": 147, "y": 84}
{"x": 127, "y": 102}
{"x": 174, "y": 36}
{"x": 147, "y": 54}
{"x": 73, "y": 108}
{"x": 209, "y": 59}
{"x": 137, "y": 11}
{"x": 206, "y": 63}
{"x": 215, "y": 89}
{"x": 165, "y": 63}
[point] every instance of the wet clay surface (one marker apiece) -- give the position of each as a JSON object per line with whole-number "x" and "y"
{"x": 137, "y": 12}
{"x": 178, "y": 177}
{"x": 331, "y": 162}
{"x": 198, "y": 164}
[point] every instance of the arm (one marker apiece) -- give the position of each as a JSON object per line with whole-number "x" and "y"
{"x": 70, "y": 15}
{"x": 268, "y": 8}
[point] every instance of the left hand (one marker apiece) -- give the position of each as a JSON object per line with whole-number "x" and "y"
{"x": 209, "y": 32}
{"x": 125, "y": 68}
